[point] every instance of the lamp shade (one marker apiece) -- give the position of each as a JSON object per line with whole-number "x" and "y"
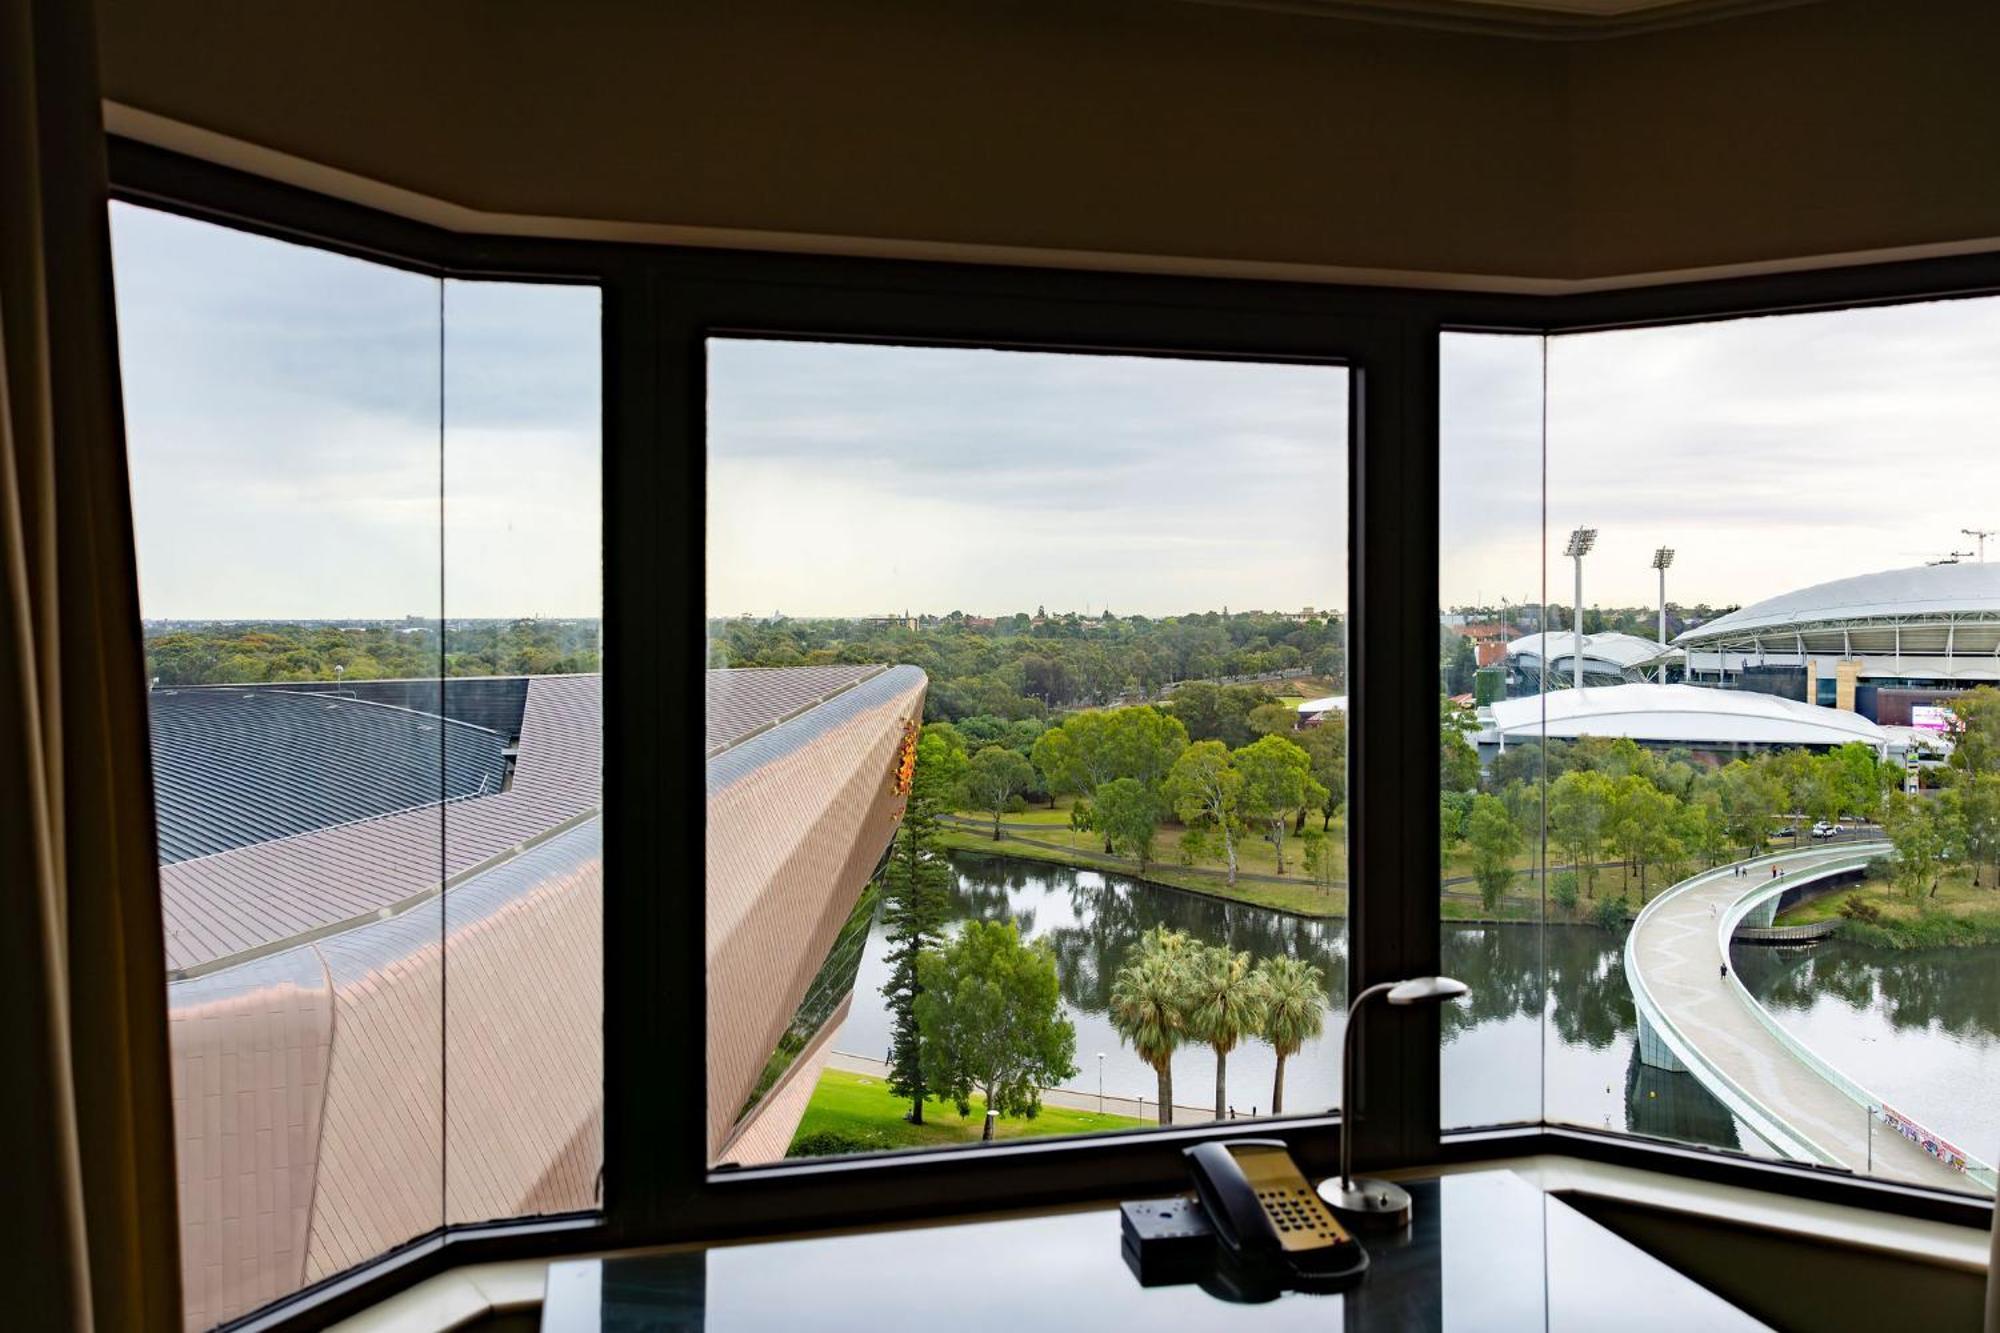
{"x": 1426, "y": 990}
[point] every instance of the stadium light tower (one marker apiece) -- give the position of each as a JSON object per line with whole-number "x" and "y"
{"x": 1661, "y": 559}
{"x": 1982, "y": 534}
{"x": 1580, "y": 542}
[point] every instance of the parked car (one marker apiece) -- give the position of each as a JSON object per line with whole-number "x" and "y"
{"x": 1825, "y": 830}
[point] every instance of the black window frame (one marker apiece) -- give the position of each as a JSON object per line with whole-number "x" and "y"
{"x": 660, "y": 305}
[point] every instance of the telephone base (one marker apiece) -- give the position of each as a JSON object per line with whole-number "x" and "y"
{"x": 1367, "y": 1205}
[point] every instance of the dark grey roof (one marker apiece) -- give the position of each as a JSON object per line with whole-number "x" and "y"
{"x": 242, "y": 766}
{"x": 493, "y": 702}
{"x": 249, "y": 900}
{"x": 743, "y": 701}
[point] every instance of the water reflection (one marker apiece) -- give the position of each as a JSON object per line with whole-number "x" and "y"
{"x": 1547, "y": 1032}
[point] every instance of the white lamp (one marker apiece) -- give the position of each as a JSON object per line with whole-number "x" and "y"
{"x": 1376, "y": 1204}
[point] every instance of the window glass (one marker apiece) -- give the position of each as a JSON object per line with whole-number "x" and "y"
{"x": 1763, "y": 782}
{"x": 1026, "y": 743}
{"x": 354, "y": 859}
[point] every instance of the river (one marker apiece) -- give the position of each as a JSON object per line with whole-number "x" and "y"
{"x": 1922, "y": 1028}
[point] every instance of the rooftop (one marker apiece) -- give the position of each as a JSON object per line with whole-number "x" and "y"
{"x": 1922, "y": 591}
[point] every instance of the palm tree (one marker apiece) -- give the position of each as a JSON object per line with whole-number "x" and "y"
{"x": 1225, "y": 1003}
{"x": 1294, "y": 1012}
{"x": 1147, "y": 1009}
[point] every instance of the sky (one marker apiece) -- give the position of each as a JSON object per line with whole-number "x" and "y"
{"x": 1769, "y": 453}
{"x": 291, "y": 420}
{"x": 300, "y": 448}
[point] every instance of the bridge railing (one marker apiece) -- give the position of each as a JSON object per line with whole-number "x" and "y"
{"x": 1877, "y": 1110}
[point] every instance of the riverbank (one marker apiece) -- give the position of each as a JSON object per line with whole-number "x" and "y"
{"x": 1878, "y": 914}
{"x": 855, "y": 1112}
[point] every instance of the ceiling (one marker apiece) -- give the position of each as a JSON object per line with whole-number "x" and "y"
{"x": 1560, "y": 20}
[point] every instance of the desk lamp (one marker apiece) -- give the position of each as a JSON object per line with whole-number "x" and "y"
{"x": 1376, "y": 1205}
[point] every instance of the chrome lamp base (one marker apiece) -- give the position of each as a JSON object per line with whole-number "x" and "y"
{"x": 1367, "y": 1205}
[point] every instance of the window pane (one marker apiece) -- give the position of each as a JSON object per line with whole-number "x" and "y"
{"x": 282, "y": 417}
{"x": 523, "y": 496}
{"x": 1832, "y": 638}
{"x": 986, "y": 678}
{"x": 381, "y": 873}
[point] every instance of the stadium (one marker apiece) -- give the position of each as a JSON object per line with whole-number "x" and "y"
{"x": 1717, "y": 724}
{"x": 1892, "y": 646}
{"x": 326, "y": 850}
{"x": 1548, "y": 661}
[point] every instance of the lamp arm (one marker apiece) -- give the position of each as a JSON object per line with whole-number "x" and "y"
{"x": 1347, "y": 1081}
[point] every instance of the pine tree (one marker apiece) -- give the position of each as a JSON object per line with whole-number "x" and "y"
{"x": 916, "y": 883}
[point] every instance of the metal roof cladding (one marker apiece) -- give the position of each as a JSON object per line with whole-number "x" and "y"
{"x": 240, "y": 766}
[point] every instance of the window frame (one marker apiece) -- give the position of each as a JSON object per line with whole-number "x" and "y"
{"x": 660, "y": 305}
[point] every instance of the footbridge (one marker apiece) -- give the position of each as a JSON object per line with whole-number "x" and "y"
{"x": 1694, "y": 1015}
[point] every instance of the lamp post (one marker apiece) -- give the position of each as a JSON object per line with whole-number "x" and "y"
{"x": 1661, "y": 559}
{"x": 1580, "y": 542}
{"x": 1376, "y": 1204}
{"x": 1100, "y": 1082}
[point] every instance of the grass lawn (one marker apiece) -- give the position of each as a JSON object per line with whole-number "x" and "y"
{"x": 860, "y": 1105}
{"x": 1302, "y": 899}
{"x": 1959, "y": 913}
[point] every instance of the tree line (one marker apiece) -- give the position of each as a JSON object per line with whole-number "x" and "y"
{"x": 253, "y": 652}
{"x": 1022, "y": 666}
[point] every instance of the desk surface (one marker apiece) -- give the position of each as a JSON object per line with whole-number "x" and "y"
{"x": 1487, "y": 1251}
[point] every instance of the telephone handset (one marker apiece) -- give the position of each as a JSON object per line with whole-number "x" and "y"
{"x": 1267, "y": 1218}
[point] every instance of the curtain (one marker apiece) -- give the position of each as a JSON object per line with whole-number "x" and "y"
{"x": 86, "y": 1112}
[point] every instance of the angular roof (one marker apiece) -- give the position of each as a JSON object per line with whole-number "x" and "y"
{"x": 250, "y": 900}
{"x": 1678, "y": 714}
{"x": 1624, "y": 651}
{"x": 743, "y": 701}
{"x": 233, "y": 767}
{"x": 1921, "y": 591}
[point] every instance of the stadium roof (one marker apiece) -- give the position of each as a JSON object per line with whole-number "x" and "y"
{"x": 1330, "y": 702}
{"x": 250, "y": 900}
{"x": 743, "y": 701}
{"x": 1678, "y": 715}
{"x": 1626, "y": 652}
{"x": 241, "y": 766}
{"x": 1919, "y": 593}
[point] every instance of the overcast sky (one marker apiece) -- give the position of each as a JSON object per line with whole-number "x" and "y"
{"x": 283, "y": 408}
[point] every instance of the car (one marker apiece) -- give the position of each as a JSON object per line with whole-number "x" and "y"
{"x": 1822, "y": 829}
{"x": 1789, "y": 831}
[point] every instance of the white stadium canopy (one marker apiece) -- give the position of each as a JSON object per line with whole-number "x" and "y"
{"x": 1314, "y": 707}
{"x": 1688, "y": 715}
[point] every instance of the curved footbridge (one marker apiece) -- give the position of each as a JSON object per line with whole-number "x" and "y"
{"x": 1693, "y": 1017}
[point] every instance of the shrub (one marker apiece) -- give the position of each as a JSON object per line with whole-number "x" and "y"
{"x": 1856, "y": 908}
{"x": 1017, "y": 805}
{"x": 1562, "y": 888}
{"x": 1609, "y": 914}
{"x": 833, "y": 1143}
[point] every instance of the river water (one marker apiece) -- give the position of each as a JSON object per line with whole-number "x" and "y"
{"x": 1548, "y": 1030}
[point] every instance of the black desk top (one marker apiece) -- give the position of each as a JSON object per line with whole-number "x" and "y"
{"x": 1487, "y": 1251}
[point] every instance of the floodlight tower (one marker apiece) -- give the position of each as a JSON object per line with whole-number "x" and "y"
{"x": 1661, "y": 559}
{"x": 1580, "y": 542}
{"x": 1982, "y": 534}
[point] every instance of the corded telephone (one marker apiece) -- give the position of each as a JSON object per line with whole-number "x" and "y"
{"x": 1259, "y": 1227}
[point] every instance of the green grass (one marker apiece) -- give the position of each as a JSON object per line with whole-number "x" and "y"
{"x": 1960, "y": 913}
{"x": 860, "y": 1105}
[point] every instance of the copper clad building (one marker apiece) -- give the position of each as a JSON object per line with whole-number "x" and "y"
{"x": 386, "y": 1008}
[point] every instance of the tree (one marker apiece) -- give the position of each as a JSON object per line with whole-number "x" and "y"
{"x": 1919, "y": 838}
{"x": 1277, "y": 780}
{"x": 1749, "y": 798}
{"x": 1225, "y": 1003}
{"x": 1460, "y": 666}
{"x": 1204, "y": 789}
{"x": 1495, "y": 842}
{"x": 1458, "y": 762}
{"x": 1562, "y": 889}
{"x": 1143, "y": 744}
{"x": 1128, "y": 815}
{"x": 1638, "y": 820}
{"x": 1976, "y": 731}
{"x": 995, "y": 777}
{"x": 1975, "y": 808}
{"x": 1864, "y": 779}
{"x": 1326, "y": 743}
{"x": 1294, "y": 1013}
{"x": 1149, "y": 1006}
{"x": 916, "y": 886}
{"x": 1321, "y": 856}
{"x": 1273, "y": 719}
{"x": 991, "y": 1016}
{"x": 1578, "y": 803}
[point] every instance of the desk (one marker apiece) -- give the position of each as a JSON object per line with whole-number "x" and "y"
{"x": 1488, "y": 1251}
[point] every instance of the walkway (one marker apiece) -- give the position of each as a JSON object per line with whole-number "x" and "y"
{"x": 1694, "y": 1017}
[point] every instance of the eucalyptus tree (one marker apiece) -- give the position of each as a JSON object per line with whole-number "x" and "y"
{"x": 1277, "y": 780}
{"x": 991, "y": 1015}
{"x": 1225, "y": 1004}
{"x": 1294, "y": 1012}
{"x": 1204, "y": 789}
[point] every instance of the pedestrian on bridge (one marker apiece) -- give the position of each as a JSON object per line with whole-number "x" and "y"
{"x": 1725, "y": 972}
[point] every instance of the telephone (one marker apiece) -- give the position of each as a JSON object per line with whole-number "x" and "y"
{"x": 1254, "y": 1228}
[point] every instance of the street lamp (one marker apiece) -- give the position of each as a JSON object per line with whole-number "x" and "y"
{"x": 1580, "y": 542}
{"x": 1377, "y": 1204}
{"x": 1661, "y": 559}
{"x": 1100, "y": 1082}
